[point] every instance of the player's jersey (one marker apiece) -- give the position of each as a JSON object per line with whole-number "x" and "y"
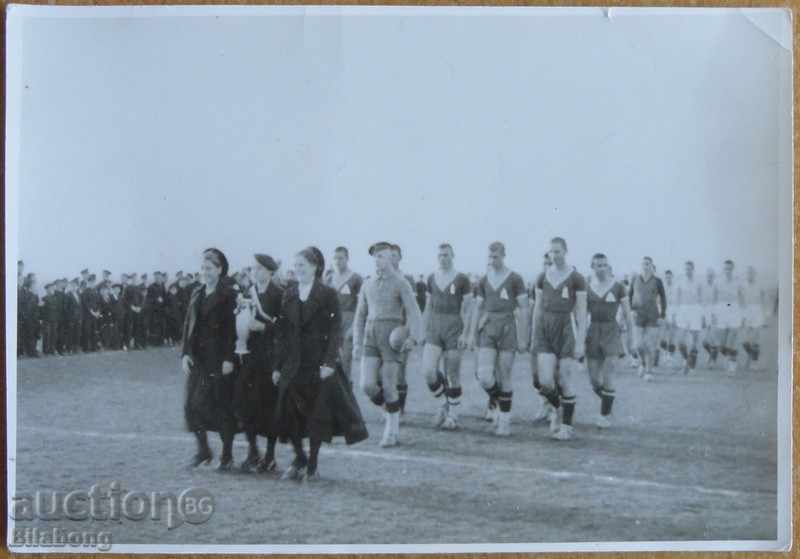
{"x": 707, "y": 292}
{"x": 728, "y": 291}
{"x": 691, "y": 291}
{"x": 671, "y": 293}
{"x": 647, "y": 297}
{"x": 603, "y": 307}
{"x": 504, "y": 298}
{"x": 752, "y": 293}
{"x": 346, "y": 291}
{"x": 560, "y": 298}
{"x": 449, "y": 299}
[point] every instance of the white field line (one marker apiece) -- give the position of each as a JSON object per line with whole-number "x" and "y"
{"x": 395, "y": 456}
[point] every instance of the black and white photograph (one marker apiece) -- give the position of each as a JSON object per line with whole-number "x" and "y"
{"x": 340, "y": 279}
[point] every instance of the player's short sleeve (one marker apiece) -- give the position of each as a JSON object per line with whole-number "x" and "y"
{"x": 539, "y": 283}
{"x": 578, "y": 282}
{"x": 517, "y": 285}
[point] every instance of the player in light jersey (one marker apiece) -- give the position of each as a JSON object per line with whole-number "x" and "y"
{"x": 689, "y": 316}
{"x": 708, "y": 304}
{"x": 447, "y": 303}
{"x": 557, "y": 340}
{"x": 347, "y": 284}
{"x": 499, "y": 325}
{"x": 605, "y": 297}
{"x": 668, "y": 332}
{"x": 385, "y": 302}
{"x": 755, "y": 313}
{"x": 729, "y": 313}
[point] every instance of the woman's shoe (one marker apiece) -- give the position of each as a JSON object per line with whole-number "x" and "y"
{"x": 225, "y": 464}
{"x": 296, "y": 470}
{"x": 202, "y": 457}
{"x": 252, "y": 461}
{"x": 267, "y": 465}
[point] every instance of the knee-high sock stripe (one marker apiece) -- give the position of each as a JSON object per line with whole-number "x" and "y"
{"x": 402, "y": 393}
{"x": 438, "y": 387}
{"x": 607, "y": 402}
{"x": 378, "y": 398}
{"x": 568, "y": 403}
{"x": 551, "y": 395}
{"x": 504, "y": 401}
{"x": 393, "y": 407}
{"x": 453, "y": 395}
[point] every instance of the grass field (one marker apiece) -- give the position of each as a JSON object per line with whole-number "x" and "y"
{"x": 688, "y": 458}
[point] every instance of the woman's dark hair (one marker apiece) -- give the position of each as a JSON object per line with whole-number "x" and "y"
{"x": 314, "y": 256}
{"x": 217, "y": 257}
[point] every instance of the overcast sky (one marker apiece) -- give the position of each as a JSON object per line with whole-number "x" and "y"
{"x": 146, "y": 140}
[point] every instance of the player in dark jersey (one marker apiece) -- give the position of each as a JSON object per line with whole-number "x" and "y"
{"x": 448, "y": 299}
{"x": 649, "y": 304}
{"x": 499, "y": 327}
{"x": 557, "y": 340}
{"x": 604, "y": 346}
{"x": 347, "y": 285}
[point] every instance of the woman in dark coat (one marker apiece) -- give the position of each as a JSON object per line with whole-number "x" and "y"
{"x": 209, "y": 337}
{"x": 314, "y": 398}
{"x": 256, "y": 395}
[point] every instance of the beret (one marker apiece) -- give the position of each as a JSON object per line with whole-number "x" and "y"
{"x": 266, "y": 261}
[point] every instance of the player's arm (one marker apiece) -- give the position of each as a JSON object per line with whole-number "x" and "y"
{"x": 359, "y": 323}
{"x": 536, "y": 314}
{"x": 426, "y": 314}
{"x": 581, "y": 318}
{"x": 628, "y": 318}
{"x": 413, "y": 314}
{"x": 523, "y": 322}
{"x": 662, "y": 298}
{"x": 477, "y": 308}
{"x": 466, "y": 317}
{"x": 581, "y": 315}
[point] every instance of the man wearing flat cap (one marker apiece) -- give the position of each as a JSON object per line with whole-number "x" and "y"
{"x": 28, "y": 315}
{"x": 50, "y": 317}
{"x": 72, "y": 315}
{"x": 156, "y": 305}
{"x": 61, "y": 328}
{"x": 90, "y": 314}
{"x": 136, "y": 336}
{"x": 385, "y": 299}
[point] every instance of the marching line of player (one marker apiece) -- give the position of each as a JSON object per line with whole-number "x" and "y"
{"x": 566, "y": 323}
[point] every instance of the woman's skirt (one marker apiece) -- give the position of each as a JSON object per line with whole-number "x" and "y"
{"x": 209, "y": 400}
{"x": 255, "y": 395}
{"x": 319, "y": 409}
